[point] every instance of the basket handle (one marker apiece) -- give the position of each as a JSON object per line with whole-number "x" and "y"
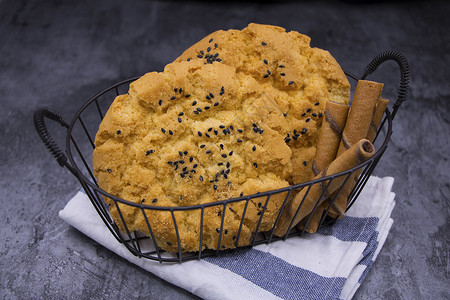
{"x": 39, "y": 123}
{"x": 404, "y": 74}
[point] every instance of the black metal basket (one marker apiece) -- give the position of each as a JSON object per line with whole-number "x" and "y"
{"x": 80, "y": 145}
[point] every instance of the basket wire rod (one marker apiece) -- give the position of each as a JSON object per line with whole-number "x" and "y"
{"x": 87, "y": 133}
{"x": 98, "y": 108}
{"x": 221, "y": 228}
{"x": 297, "y": 211}
{"x": 260, "y": 219}
{"x": 202, "y": 212}
{"x": 324, "y": 193}
{"x": 127, "y": 231}
{"x": 105, "y": 210}
{"x": 242, "y": 222}
{"x": 177, "y": 234}
{"x": 155, "y": 243}
{"x": 279, "y": 215}
{"x": 83, "y": 160}
{"x": 117, "y": 91}
{"x": 138, "y": 244}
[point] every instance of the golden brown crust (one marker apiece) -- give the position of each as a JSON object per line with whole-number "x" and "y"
{"x": 299, "y": 78}
{"x": 193, "y": 134}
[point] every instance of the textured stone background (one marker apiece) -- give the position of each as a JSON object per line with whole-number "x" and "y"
{"x": 59, "y": 53}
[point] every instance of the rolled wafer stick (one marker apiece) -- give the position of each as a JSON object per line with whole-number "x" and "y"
{"x": 357, "y": 127}
{"x": 327, "y": 147}
{"x": 308, "y": 198}
{"x": 376, "y": 120}
{"x": 380, "y": 108}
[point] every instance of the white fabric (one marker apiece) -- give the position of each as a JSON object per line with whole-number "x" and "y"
{"x": 327, "y": 265}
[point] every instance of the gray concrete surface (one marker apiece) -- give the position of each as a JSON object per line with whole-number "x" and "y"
{"x": 58, "y": 53}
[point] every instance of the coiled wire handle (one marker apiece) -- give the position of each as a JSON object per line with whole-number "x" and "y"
{"x": 404, "y": 74}
{"x": 41, "y": 128}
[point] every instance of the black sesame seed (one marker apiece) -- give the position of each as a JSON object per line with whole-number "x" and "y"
{"x": 180, "y": 153}
{"x": 170, "y": 162}
{"x": 307, "y": 120}
{"x": 196, "y": 112}
{"x": 282, "y": 74}
{"x": 180, "y": 114}
{"x": 231, "y": 209}
{"x": 210, "y": 40}
{"x": 281, "y": 66}
{"x": 215, "y": 187}
{"x": 200, "y": 56}
{"x": 172, "y": 98}
{"x": 263, "y": 43}
{"x": 199, "y": 133}
{"x": 226, "y": 231}
{"x": 240, "y": 130}
{"x": 207, "y": 135}
{"x": 119, "y": 132}
{"x": 219, "y": 213}
{"x": 109, "y": 170}
{"x": 181, "y": 161}
{"x": 201, "y": 52}
{"x": 259, "y": 204}
{"x": 163, "y": 130}
{"x": 231, "y": 127}
{"x": 179, "y": 120}
{"x": 228, "y": 164}
{"x": 225, "y": 131}
{"x": 206, "y": 107}
{"x": 170, "y": 132}
{"x": 184, "y": 169}
{"x": 208, "y": 97}
{"x": 215, "y": 45}
{"x": 259, "y": 213}
{"x": 231, "y": 153}
{"x": 224, "y": 155}
{"x": 228, "y": 130}
{"x": 208, "y": 49}
{"x": 199, "y": 109}
{"x": 222, "y": 126}
{"x": 255, "y": 129}
{"x": 221, "y": 146}
{"x": 308, "y": 110}
{"x": 303, "y": 114}
{"x": 268, "y": 72}
{"x": 254, "y": 148}
{"x": 239, "y": 140}
{"x": 187, "y": 96}
{"x": 202, "y": 146}
{"x": 225, "y": 176}
{"x": 320, "y": 115}
{"x": 219, "y": 164}
{"x": 180, "y": 90}
{"x": 265, "y": 61}
{"x": 261, "y": 131}
{"x": 266, "y": 75}
{"x": 195, "y": 166}
{"x": 175, "y": 90}
{"x": 185, "y": 152}
{"x": 291, "y": 82}
{"x": 255, "y": 165}
{"x": 160, "y": 102}
{"x": 215, "y": 104}
{"x": 188, "y": 59}
{"x": 287, "y": 140}
{"x": 194, "y": 103}
{"x": 215, "y": 132}
{"x": 305, "y": 163}
{"x": 317, "y": 103}
{"x": 314, "y": 114}
{"x": 182, "y": 175}
{"x": 211, "y": 95}
{"x": 227, "y": 171}
{"x": 217, "y": 229}
{"x": 209, "y": 129}
{"x": 222, "y": 89}
{"x": 191, "y": 159}
{"x": 208, "y": 152}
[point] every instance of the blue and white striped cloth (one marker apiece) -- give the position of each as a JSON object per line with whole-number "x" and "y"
{"x": 331, "y": 264}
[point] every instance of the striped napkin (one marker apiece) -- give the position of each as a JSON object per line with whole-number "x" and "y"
{"x": 330, "y": 264}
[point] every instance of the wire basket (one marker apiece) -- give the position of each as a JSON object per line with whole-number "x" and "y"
{"x": 80, "y": 145}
